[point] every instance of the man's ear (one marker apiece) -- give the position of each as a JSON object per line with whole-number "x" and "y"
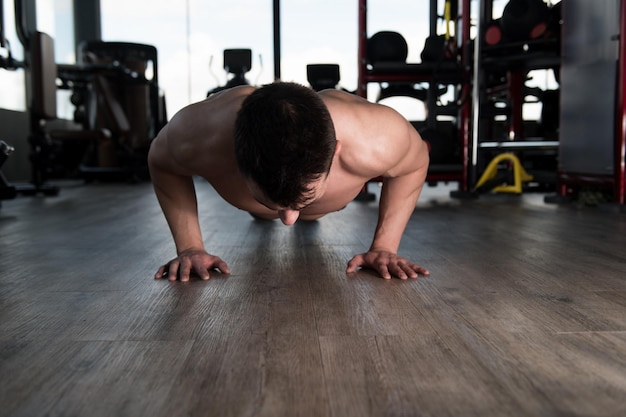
{"x": 337, "y": 147}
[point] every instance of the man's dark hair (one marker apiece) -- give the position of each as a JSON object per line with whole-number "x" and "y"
{"x": 284, "y": 140}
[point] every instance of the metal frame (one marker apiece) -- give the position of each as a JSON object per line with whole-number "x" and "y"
{"x": 365, "y": 76}
{"x": 620, "y": 131}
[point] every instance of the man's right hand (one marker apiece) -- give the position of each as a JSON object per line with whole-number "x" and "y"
{"x": 191, "y": 260}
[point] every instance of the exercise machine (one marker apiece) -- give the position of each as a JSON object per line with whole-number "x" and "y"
{"x": 122, "y": 78}
{"x": 237, "y": 63}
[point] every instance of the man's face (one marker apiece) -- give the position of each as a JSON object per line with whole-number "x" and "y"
{"x": 289, "y": 215}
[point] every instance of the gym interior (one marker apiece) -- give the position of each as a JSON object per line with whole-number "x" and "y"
{"x": 521, "y": 224}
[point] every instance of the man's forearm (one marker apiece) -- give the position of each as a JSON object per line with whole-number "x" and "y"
{"x": 397, "y": 202}
{"x": 177, "y": 197}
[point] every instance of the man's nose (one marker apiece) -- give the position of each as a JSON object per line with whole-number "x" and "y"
{"x": 288, "y": 217}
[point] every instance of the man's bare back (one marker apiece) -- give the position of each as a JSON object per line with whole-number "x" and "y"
{"x": 204, "y": 140}
{"x": 372, "y": 141}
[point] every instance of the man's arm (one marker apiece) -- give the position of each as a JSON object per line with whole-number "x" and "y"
{"x": 175, "y": 191}
{"x": 402, "y": 185}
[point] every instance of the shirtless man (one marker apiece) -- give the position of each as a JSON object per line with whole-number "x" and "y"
{"x": 285, "y": 152}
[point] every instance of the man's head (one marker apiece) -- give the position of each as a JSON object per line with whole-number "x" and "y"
{"x": 284, "y": 142}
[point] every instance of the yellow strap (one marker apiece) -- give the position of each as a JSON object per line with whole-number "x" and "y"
{"x": 447, "y": 17}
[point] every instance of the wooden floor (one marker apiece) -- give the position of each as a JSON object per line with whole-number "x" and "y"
{"x": 524, "y": 313}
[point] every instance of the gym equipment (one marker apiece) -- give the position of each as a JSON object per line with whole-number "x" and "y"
{"x": 440, "y": 48}
{"x": 443, "y": 143}
{"x": 118, "y": 107}
{"x": 437, "y": 49}
{"x": 507, "y": 180}
{"x": 493, "y": 33}
{"x": 593, "y": 99}
{"x": 118, "y": 110}
{"x": 323, "y": 76}
{"x": 7, "y": 191}
{"x": 387, "y": 46}
{"x": 5, "y": 62}
{"x": 385, "y": 57}
{"x": 42, "y": 108}
{"x": 524, "y": 40}
{"x": 550, "y": 114}
{"x": 524, "y": 19}
{"x": 389, "y": 49}
{"x": 236, "y": 62}
{"x": 127, "y": 102}
{"x": 525, "y": 27}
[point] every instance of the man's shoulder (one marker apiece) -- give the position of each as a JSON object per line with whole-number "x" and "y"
{"x": 199, "y": 137}
{"x": 374, "y": 137}
{"x": 213, "y": 114}
{"x": 231, "y": 94}
{"x": 350, "y": 108}
{"x": 225, "y": 101}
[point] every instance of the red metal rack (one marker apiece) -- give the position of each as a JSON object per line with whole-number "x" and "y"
{"x": 416, "y": 73}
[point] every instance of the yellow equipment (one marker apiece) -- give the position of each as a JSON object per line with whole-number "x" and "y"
{"x": 491, "y": 175}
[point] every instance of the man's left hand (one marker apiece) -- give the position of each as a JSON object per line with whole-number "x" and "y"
{"x": 387, "y": 264}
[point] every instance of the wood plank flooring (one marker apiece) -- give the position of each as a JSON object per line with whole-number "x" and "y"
{"x": 524, "y": 313}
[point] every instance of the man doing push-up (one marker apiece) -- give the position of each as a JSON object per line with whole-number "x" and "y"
{"x": 284, "y": 151}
